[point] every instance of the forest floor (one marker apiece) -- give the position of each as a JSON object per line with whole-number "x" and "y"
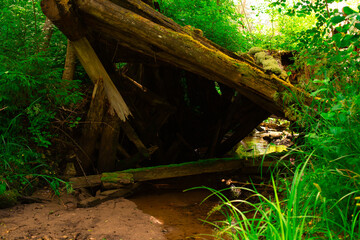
{"x": 158, "y": 211}
{"x": 114, "y": 219}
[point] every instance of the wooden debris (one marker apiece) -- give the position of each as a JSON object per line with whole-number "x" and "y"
{"x": 138, "y": 27}
{"x": 107, "y": 195}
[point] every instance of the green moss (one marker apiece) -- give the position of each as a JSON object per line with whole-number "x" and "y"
{"x": 255, "y": 50}
{"x": 272, "y": 65}
{"x": 117, "y": 177}
{"x": 260, "y": 57}
{"x": 8, "y": 198}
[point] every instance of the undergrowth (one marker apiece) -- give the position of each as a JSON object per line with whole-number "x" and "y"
{"x": 31, "y": 94}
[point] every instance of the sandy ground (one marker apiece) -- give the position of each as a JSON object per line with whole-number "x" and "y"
{"x": 112, "y": 220}
{"x": 158, "y": 211}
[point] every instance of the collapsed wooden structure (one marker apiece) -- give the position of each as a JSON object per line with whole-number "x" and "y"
{"x": 163, "y": 108}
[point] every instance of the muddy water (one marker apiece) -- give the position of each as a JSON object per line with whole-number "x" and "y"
{"x": 180, "y": 212}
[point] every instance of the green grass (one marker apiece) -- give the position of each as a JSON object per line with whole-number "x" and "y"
{"x": 295, "y": 213}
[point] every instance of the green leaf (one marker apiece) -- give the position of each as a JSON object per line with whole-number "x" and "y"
{"x": 328, "y": 115}
{"x": 348, "y": 10}
{"x": 337, "y": 19}
{"x": 337, "y": 37}
{"x": 2, "y": 187}
{"x": 357, "y": 25}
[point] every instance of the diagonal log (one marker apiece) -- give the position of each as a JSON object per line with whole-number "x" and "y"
{"x": 151, "y": 37}
{"x": 138, "y": 27}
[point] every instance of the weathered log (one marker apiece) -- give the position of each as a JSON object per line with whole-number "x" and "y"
{"x": 138, "y": 27}
{"x": 170, "y": 171}
{"x": 88, "y": 181}
{"x": 107, "y": 195}
{"x": 95, "y": 70}
{"x": 153, "y": 38}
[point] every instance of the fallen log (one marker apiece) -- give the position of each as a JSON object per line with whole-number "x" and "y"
{"x": 136, "y": 26}
{"x": 121, "y": 178}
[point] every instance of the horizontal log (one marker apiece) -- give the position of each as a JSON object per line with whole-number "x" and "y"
{"x": 87, "y": 181}
{"x": 168, "y": 171}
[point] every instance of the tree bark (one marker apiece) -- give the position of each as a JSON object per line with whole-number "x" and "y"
{"x": 70, "y": 62}
{"x": 48, "y": 30}
{"x": 61, "y": 15}
{"x": 186, "y": 50}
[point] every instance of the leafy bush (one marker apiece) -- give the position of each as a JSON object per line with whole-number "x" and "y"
{"x": 331, "y": 124}
{"x": 31, "y": 91}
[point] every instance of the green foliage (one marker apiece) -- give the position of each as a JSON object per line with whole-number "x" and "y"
{"x": 283, "y": 31}
{"x": 331, "y": 124}
{"x": 31, "y": 91}
{"x": 219, "y": 20}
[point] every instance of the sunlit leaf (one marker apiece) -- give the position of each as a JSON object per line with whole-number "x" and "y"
{"x": 337, "y": 19}
{"x": 348, "y": 10}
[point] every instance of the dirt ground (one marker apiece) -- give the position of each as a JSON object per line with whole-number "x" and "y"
{"x": 158, "y": 211}
{"x": 112, "y": 220}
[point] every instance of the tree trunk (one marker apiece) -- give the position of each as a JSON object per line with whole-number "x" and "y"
{"x": 70, "y": 62}
{"x": 174, "y": 170}
{"x": 48, "y": 30}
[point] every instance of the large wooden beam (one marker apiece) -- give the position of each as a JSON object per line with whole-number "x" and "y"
{"x": 151, "y": 35}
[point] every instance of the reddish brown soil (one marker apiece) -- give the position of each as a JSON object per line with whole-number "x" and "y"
{"x": 158, "y": 211}
{"x": 112, "y": 220}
